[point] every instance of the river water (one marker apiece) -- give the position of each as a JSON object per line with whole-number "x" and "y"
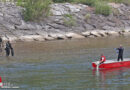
{"x": 65, "y": 65}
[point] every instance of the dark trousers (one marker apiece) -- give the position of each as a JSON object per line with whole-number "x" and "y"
{"x": 101, "y": 62}
{"x": 120, "y": 57}
{"x": 7, "y": 51}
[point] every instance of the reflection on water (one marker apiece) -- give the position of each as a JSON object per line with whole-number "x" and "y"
{"x": 116, "y": 77}
{"x": 65, "y": 65}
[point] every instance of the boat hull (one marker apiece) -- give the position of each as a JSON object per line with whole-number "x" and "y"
{"x": 112, "y": 65}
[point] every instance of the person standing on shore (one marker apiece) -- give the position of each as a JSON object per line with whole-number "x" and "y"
{"x": 1, "y": 45}
{"x": 120, "y": 53}
{"x": 9, "y": 49}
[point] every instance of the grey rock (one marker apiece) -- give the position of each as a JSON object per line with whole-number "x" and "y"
{"x": 74, "y": 36}
{"x": 23, "y": 26}
{"x": 111, "y": 24}
{"x": 57, "y": 26}
{"x": 39, "y": 27}
{"x": 15, "y": 21}
{"x": 88, "y": 27}
{"x": 26, "y": 26}
{"x": 31, "y": 27}
{"x": 1, "y": 14}
{"x": 61, "y": 9}
{"x": 107, "y": 28}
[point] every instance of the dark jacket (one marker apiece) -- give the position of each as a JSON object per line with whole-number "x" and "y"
{"x": 120, "y": 51}
{"x": 8, "y": 45}
{"x": 0, "y": 40}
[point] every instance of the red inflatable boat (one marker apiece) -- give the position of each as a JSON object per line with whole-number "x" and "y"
{"x": 112, "y": 64}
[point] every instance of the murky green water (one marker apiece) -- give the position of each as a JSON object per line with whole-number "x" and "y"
{"x": 65, "y": 65}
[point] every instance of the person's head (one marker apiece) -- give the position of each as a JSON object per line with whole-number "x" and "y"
{"x": 120, "y": 45}
{"x": 8, "y": 41}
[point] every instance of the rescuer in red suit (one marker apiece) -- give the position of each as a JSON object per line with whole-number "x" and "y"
{"x": 102, "y": 59}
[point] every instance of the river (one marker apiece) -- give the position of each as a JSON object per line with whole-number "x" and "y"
{"x": 65, "y": 65}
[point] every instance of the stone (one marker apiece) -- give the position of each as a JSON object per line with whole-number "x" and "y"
{"x": 1, "y": 14}
{"x": 39, "y": 27}
{"x": 95, "y": 33}
{"x": 61, "y": 37}
{"x": 57, "y": 26}
{"x": 86, "y": 34}
{"x": 114, "y": 5}
{"x": 12, "y": 38}
{"x": 23, "y": 26}
{"x": 58, "y": 10}
{"x": 113, "y": 33}
{"x": 27, "y": 38}
{"x": 38, "y": 38}
{"x": 110, "y": 24}
{"x": 108, "y": 27}
{"x": 73, "y": 8}
{"x": 47, "y": 38}
{"x": 66, "y": 8}
{"x": 32, "y": 38}
{"x": 74, "y": 36}
{"x": 4, "y": 38}
{"x": 31, "y": 27}
{"x": 9, "y": 26}
{"x": 102, "y": 33}
{"x": 57, "y": 36}
{"x": 88, "y": 27}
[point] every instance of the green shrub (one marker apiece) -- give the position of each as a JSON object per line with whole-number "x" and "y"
{"x": 87, "y": 17}
{"x": 102, "y": 8}
{"x": 35, "y": 9}
{"x": 90, "y": 2}
{"x": 115, "y": 11}
{"x": 19, "y": 2}
{"x": 116, "y": 1}
{"x": 69, "y": 20}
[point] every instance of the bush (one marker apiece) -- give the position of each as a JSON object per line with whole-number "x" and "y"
{"x": 116, "y": 1}
{"x": 35, "y": 9}
{"x": 19, "y": 2}
{"x": 102, "y": 8}
{"x": 90, "y": 2}
{"x": 69, "y": 20}
{"x": 87, "y": 17}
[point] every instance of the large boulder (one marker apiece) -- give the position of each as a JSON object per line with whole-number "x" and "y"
{"x": 58, "y": 36}
{"x": 32, "y": 38}
{"x": 113, "y": 33}
{"x": 74, "y": 36}
{"x": 86, "y": 34}
{"x": 95, "y": 33}
{"x": 102, "y": 33}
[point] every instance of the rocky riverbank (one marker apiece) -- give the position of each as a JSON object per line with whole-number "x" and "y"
{"x": 67, "y": 21}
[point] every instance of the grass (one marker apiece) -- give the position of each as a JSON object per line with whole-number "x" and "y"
{"x": 69, "y": 20}
{"x": 35, "y": 9}
{"x": 102, "y": 8}
{"x": 87, "y": 17}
